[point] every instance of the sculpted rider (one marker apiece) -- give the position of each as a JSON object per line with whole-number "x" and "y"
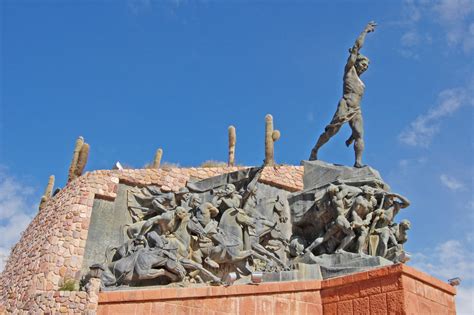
{"x": 348, "y": 109}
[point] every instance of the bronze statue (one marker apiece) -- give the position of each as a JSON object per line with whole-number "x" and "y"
{"x": 348, "y": 109}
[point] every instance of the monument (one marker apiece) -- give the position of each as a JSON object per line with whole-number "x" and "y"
{"x": 316, "y": 238}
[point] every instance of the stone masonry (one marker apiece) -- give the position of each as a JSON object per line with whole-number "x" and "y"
{"x": 51, "y": 249}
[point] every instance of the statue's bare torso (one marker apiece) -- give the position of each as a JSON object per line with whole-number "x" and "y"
{"x": 353, "y": 88}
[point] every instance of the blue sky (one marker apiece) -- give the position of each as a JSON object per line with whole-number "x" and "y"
{"x": 132, "y": 76}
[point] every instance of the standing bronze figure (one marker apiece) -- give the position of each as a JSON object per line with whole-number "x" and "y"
{"x": 348, "y": 109}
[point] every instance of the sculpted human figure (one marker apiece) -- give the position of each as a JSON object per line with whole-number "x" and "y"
{"x": 164, "y": 202}
{"x": 384, "y": 219}
{"x": 341, "y": 199}
{"x": 205, "y": 215}
{"x": 165, "y": 223}
{"x": 348, "y": 109}
{"x": 399, "y": 232}
{"x": 362, "y": 213}
{"x": 227, "y": 197}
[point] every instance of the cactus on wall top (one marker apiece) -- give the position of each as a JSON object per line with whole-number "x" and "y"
{"x": 48, "y": 191}
{"x": 79, "y": 159}
{"x": 82, "y": 159}
{"x": 270, "y": 137}
{"x": 157, "y": 159}
{"x": 232, "y": 142}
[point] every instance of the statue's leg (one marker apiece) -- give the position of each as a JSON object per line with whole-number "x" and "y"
{"x": 345, "y": 241}
{"x": 357, "y": 126}
{"x": 345, "y": 226}
{"x": 328, "y": 133}
{"x": 361, "y": 240}
{"x": 349, "y": 140}
{"x": 319, "y": 240}
{"x": 383, "y": 245}
{"x": 393, "y": 239}
{"x": 189, "y": 264}
{"x": 261, "y": 250}
{"x": 330, "y": 129}
{"x": 148, "y": 225}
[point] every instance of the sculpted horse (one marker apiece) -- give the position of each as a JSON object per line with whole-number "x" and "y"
{"x": 230, "y": 248}
{"x": 270, "y": 229}
{"x": 135, "y": 261}
{"x": 180, "y": 239}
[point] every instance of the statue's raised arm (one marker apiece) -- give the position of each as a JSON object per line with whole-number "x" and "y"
{"x": 348, "y": 109}
{"x": 354, "y": 51}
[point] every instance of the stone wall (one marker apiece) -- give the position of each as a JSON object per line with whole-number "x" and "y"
{"x": 396, "y": 289}
{"x": 51, "y": 249}
{"x": 388, "y": 290}
{"x": 302, "y": 297}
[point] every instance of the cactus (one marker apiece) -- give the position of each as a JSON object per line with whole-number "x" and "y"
{"x": 157, "y": 159}
{"x": 270, "y": 137}
{"x": 48, "y": 191}
{"x": 82, "y": 160}
{"x": 75, "y": 157}
{"x": 232, "y": 141}
{"x": 79, "y": 159}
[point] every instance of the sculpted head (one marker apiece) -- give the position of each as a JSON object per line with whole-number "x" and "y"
{"x": 229, "y": 189}
{"x": 332, "y": 189}
{"x": 209, "y": 209}
{"x": 181, "y": 213}
{"x": 405, "y": 224}
{"x": 368, "y": 191}
{"x": 195, "y": 201}
{"x": 361, "y": 64}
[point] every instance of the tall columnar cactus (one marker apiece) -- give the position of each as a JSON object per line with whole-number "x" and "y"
{"x": 157, "y": 159}
{"x": 48, "y": 191}
{"x": 75, "y": 157}
{"x": 79, "y": 159}
{"x": 82, "y": 160}
{"x": 232, "y": 141}
{"x": 270, "y": 137}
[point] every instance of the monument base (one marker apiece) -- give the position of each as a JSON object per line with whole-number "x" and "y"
{"x": 395, "y": 289}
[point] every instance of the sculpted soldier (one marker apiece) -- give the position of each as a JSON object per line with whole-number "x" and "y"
{"x": 341, "y": 198}
{"x": 348, "y": 109}
{"x": 384, "y": 219}
{"x": 362, "y": 212}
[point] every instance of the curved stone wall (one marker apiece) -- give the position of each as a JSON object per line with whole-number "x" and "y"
{"x": 51, "y": 249}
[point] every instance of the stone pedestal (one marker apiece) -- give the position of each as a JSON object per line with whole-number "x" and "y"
{"x": 396, "y": 289}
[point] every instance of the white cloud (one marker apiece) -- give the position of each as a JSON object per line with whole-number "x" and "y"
{"x": 452, "y": 258}
{"x": 451, "y": 182}
{"x": 451, "y": 11}
{"x": 411, "y": 11}
{"x": 16, "y": 211}
{"x": 410, "y": 38}
{"x": 421, "y": 131}
{"x": 139, "y": 6}
{"x": 453, "y": 16}
{"x": 409, "y": 164}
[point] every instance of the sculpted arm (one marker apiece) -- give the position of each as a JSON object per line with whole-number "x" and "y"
{"x": 403, "y": 202}
{"x": 354, "y": 51}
